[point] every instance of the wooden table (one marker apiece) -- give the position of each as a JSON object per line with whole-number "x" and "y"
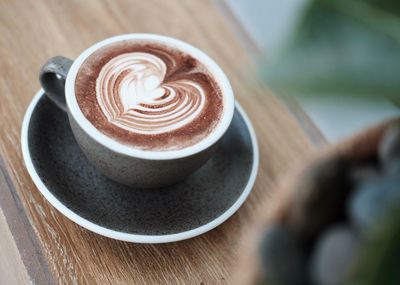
{"x": 40, "y": 246}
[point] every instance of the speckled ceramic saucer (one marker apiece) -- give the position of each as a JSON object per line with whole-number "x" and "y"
{"x": 200, "y": 203}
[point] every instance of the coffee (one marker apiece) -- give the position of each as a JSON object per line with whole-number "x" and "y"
{"x": 149, "y": 95}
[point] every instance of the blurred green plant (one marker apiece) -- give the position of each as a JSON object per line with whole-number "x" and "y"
{"x": 379, "y": 261}
{"x": 341, "y": 47}
{"x": 348, "y": 48}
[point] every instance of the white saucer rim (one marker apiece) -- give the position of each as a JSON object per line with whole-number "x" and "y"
{"x": 137, "y": 238}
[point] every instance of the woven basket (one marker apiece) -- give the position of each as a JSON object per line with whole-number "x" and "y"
{"x": 358, "y": 149}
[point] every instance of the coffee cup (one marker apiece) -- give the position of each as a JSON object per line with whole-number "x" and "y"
{"x": 149, "y": 144}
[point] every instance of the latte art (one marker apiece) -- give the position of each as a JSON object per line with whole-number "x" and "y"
{"x": 149, "y": 95}
{"x": 132, "y": 95}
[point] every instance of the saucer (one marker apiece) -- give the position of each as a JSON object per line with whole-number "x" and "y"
{"x": 185, "y": 210}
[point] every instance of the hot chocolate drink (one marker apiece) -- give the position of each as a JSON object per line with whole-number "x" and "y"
{"x": 149, "y": 95}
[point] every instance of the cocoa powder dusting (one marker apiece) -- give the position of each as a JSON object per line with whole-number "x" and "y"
{"x": 179, "y": 66}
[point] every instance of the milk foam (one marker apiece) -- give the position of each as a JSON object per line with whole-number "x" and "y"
{"x": 132, "y": 95}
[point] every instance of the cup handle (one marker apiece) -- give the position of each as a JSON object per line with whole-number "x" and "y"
{"x": 52, "y": 78}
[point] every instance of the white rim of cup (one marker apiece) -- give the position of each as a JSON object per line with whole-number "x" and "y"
{"x": 215, "y": 70}
{"x": 127, "y": 236}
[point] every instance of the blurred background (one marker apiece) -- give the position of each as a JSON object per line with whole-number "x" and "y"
{"x": 266, "y": 27}
{"x": 337, "y": 64}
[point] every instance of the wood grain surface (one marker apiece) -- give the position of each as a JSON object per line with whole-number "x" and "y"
{"x": 53, "y": 249}
{"x": 12, "y": 268}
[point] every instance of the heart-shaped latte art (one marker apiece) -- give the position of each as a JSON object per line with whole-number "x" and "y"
{"x": 132, "y": 94}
